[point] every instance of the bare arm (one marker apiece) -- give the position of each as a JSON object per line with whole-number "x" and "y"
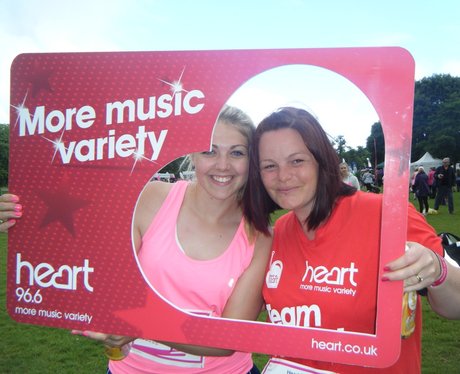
{"x": 419, "y": 268}
{"x": 246, "y": 300}
{"x": 445, "y": 298}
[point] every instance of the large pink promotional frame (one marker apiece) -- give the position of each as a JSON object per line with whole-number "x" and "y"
{"x": 83, "y": 144}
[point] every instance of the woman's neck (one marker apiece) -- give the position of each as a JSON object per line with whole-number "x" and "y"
{"x": 209, "y": 208}
{"x": 302, "y": 217}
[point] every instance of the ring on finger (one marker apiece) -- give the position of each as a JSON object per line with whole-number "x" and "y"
{"x": 419, "y": 278}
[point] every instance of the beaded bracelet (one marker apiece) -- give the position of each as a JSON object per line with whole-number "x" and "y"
{"x": 443, "y": 276}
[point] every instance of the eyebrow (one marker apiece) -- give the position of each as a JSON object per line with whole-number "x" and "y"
{"x": 231, "y": 147}
{"x": 295, "y": 154}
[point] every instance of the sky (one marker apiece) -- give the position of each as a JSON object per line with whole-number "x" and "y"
{"x": 428, "y": 30}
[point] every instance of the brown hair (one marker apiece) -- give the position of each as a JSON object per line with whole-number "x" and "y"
{"x": 258, "y": 205}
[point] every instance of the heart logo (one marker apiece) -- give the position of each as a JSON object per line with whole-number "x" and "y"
{"x": 274, "y": 274}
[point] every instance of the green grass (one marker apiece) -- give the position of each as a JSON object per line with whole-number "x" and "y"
{"x": 35, "y": 349}
{"x": 441, "y": 337}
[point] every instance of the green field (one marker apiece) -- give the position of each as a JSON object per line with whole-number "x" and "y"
{"x": 34, "y": 349}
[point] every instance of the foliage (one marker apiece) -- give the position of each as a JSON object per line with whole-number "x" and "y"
{"x": 174, "y": 167}
{"x": 436, "y": 127}
{"x": 4, "y": 149}
{"x": 436, "y": 123}
{"x": 375, "y": 144}
{"x": 350, "y": 155}
{"x": 340, "y": 146}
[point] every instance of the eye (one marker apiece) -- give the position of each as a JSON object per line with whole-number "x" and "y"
{"x": 267, "y": 167}
{"x": 238, "y": 153}
{"x": 208, "y": 153}
{"x": 298, "y": 161}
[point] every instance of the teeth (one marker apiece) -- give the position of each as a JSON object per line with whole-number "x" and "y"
{"x": 221, "y": 179}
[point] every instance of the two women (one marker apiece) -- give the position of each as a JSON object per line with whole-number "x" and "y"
{"x": 293, "y": 166}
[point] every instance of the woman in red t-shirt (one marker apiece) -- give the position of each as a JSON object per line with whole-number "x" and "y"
{"x": 324, "y": 260}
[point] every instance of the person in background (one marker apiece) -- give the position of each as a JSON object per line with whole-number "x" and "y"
{"x": 457, "y": 179}
{"x": 368, "y": 179}
{"x": 380, "y": 176}
{"x": 432, "y": 182}
{"x": 445, "y": 181}
{"x": 347, "y": 177}
{"x": 412, "y": 181}
{"x": 294, "y": 167}
{"x": 422, "y": 190}
{"x": 205, "y": 238}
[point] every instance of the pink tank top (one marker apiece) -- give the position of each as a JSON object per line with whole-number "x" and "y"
{"x": 197, "y": 286}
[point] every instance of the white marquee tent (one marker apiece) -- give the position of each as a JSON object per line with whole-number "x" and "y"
{"x": 427, "y": 161}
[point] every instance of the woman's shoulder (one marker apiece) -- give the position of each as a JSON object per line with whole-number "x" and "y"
{"x": 361, "y": 198}
{"x": 155, "y": 191}
{"x": 151, "y": 199}
{"x": 148, "y": 204}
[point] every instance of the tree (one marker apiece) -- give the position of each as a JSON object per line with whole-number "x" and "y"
{"x": 4, "y": 150}
{"x": 375, "y": 144}
{"x": 353, "y": 157}
{"x": 340, "y": 145}
{"x": 174, "y": 167}
{"x": 356, "y": 157}
{"x": 436, "y": 125}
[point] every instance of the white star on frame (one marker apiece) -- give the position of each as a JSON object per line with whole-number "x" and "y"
{"x": 176, "y": 86}
{"x": 138, "y": 157}
{"x": 21, "y": 110}
{"x": 56, "y": 143}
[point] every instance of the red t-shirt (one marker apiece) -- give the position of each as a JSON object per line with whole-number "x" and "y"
{"x": 334, "y": 276}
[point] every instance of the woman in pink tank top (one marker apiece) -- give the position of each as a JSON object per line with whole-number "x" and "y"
{"x": 204, "y": 238}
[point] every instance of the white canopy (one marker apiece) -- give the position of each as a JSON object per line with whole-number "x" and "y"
{"x": 427, "y": 161}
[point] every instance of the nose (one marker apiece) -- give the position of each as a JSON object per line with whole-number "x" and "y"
{"x": 284, "y": 173}
{"x": 222, "y": 162}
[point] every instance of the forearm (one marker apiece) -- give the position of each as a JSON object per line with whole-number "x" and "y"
{"x": 445, "y": 298}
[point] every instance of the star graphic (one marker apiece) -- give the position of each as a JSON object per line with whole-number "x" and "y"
{"x": 137, "y": 158}
{"x": 61, "y": 206}
{"x": 57, "y": 144}
{"x": 40, "y": 81}
{"x": 21, "y": 110}
{"x": 176, "y": 86}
